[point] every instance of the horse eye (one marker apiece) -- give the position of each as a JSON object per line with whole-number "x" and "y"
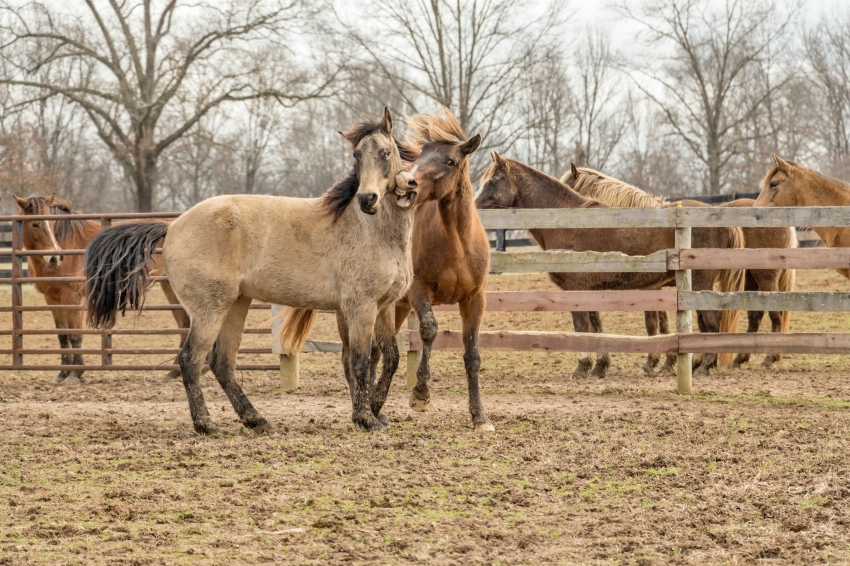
{"x": 385, "y": 154}
{"x": 774, "y": 184}
{"x": 451, "y": 162}
{"x": 35, "y": 224}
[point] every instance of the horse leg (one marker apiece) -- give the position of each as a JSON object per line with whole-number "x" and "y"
{"x": 75, "y": 321}
{"x": 651, "y": 321}
{"x": 775, "y": 327}
{"x": 386, "y": 344}
{"x": 361, "y": 330}
{"x": 753, "y": 318}
{"x": 180, "y": 317}
{"x": 708, "y": 321}
{"x": 420, "y": 396}
{"x": 603, "y": 359}
{"x": 342, "y": 325}
{"x": 64, "y": 344}
{"x": 203, "y": 332}
{"x": 223, "y": 365}
{"x": 581, "y": 323}
{"x": 471, "y": 313}
{"x": 663, "y": 325}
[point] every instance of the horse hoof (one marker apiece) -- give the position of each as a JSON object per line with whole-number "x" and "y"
{"x": 172, "y": 375}
{"x": 767, "y": 363}
{"x": 60, "y": 378}
{"x": 601, "y": 374}
{"x": 72, "y": 379}
{"x": 419, "y": 405}
{"x": 369, "y": 423}
{"x": 206, "y": 427}
{"x": 382, "y": 418}
{"x": 485, "y": 427}
{"x": 258, "y": 425}
{"x": 701, "y": 371}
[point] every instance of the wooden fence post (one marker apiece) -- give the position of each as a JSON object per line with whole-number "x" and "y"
{"x": 290, "y": 378}
{"x": 413, "y": 357}
{"x": 684, "y": 318}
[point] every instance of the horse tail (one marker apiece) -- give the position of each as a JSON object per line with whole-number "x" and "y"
{"x": 117, "y": 272}
{"x": 731, "y": 281}
{"x": 296, "y": 327}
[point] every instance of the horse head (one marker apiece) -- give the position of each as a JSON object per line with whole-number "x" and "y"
{"x": 39, "y": 234}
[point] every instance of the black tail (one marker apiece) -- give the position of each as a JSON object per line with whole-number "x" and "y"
{"x": 116, "y": 270}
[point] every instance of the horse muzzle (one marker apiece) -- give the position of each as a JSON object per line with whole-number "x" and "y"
{"x": 368, "y": 203}
{"x": 407, "y": 195}
{"x": 54, "y": 261}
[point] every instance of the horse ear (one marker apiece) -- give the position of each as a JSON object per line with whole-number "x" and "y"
{"x": 574, "y": 170}
{"x": 471, "y": 144}
{"x": 498, "y": 159}
{"x": 22, "y": 202}
{"x": 386, "y": 123}
{"x": 781, "y": 163}
{"x": 49, "y": 200}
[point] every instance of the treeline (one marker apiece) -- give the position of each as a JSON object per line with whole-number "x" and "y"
{"x": 156, "y": 105}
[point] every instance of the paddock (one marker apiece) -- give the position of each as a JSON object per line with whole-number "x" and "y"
{"x": 752, "y": 466}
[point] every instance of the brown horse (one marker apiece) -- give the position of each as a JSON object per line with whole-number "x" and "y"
{"x": 613, "y": 192}
{"x": 65, "y": 234}
{"x": 789, "y": 184}
{"x": 509, "y": 183}
{"x": 451, "y": 253}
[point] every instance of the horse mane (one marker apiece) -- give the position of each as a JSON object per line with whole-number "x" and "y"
{"x": 613, "y": 192}
{"x": 337, "y": 198}
{"x": 440, "y": 127}
{"x": 64, "y": 229}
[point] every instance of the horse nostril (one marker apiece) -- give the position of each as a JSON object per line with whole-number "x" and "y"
{"x": 412, "y": 184}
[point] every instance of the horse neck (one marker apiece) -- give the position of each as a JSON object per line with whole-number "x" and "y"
{"x": 825, "y": 192}
{"x": 395, "y": 225}
{"x": 537, "y": 190}
{"x": 458, "y": 213}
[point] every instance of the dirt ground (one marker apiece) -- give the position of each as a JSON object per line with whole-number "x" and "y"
{"x": 753, "y": 468}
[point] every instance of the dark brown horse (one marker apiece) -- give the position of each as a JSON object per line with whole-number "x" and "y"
{"x": 509, "y": 183}
{"x": 451, "y": 253}
{"x": 66, "y": 234}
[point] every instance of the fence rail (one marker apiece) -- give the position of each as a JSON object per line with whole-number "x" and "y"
{"x": 681, "y": 259}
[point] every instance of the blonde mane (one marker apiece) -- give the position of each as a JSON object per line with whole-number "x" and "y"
{"x": 613, "y": 192}
{"x": 441, "y": 126}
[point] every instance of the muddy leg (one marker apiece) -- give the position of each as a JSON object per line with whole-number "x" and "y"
{"x": 775, "y": 327}
{"x": 581, "y": 323}
{"x": 708, "y": 321}
{"x": 361, "y": 318}
{"x": 180, "y": 317}
{"x": 603, "y": 360}
{"x": 385, "y": 344}
{"x": 202, "y": 335}
{"x": 471, "y": 313}
{"x": 420, "y": 396}
{"x": 342, "y": 326}
{"x": 75, "y": 321}
{"x": 669, "y": 363}
{"x": 61, "y": 322}
{"x": 651, "y": 321}
{"x": 223, "y": 365}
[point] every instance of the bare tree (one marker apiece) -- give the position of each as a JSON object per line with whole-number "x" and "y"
{"x": 827, "y": 49}
{"x": 704, "y": 81}
{"x": 470, "y": 56}
{"x": 146, "y": 72}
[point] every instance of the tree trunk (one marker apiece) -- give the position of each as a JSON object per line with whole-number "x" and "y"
{"x": 713, "y": 166}
{"x": 146, "y": 178}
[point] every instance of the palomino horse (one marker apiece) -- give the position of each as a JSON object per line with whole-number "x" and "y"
{"x": 65, "y": 234}
{"x": 789, "y": 184}
{"x": 320, "y": 253}
{"x": 451, "y": 252}
{"x": 509, "y": 183}
{"x": 614, "y": 192}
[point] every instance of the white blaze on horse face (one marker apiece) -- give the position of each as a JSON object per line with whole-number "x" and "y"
{"x": 53, "y": 260}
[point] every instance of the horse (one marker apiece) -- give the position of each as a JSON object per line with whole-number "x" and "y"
{"x": 614, "y": 192}
{"x": 347, "y": 251}
{"x": 451, "y": 252}
{"x": 509, "y": 183}
{"x": 790, "y": 184}
{"x": 64, "y": 234}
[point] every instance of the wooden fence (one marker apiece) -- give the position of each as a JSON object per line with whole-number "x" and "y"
{"x": 681, "y": 259}
{"x": 683, "y": 300}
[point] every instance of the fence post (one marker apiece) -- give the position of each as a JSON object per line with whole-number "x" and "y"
{"x": 17, "y": 292}
{"x": 105, "y": 339}
{"x": 413, "y": 357}
{"x": 500, "y": 241}
{"x": 684, "y": 318}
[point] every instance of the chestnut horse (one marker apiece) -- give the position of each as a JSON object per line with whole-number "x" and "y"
{"x": 65, "y": 234}
{"x": 789, "y": 184}
{"x": 614, "y": 192}
{"x": 509, "y": 183}
{"x": 451, "y": 252}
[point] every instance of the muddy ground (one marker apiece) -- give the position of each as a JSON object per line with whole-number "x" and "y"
{"x": 753, "y": 468}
